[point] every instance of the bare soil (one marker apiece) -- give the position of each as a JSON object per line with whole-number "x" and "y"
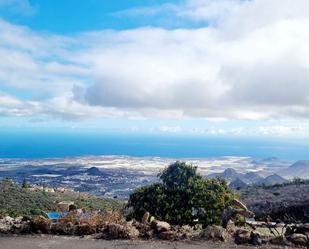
{"x": 57, "y": 242}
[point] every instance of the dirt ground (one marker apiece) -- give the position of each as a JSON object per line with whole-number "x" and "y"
{"x": 57, "y": 242}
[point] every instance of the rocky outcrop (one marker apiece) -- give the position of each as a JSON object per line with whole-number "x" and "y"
{"x": 298, "y": 239}
{"x": 243, "y": 236}
{"x": 62, "y": 228}
{"x": 117, "y": 231}
{"x": 85, "y": 229}
{"x": 6, "y": 225}
{"x": 215, "y": 233}
{"x": 161, "y": 226}
{"x": 40, "y": 225}
{"x": 237, "y": 208}
{"x": 170, "y": 235}
{"x": 280, "y": 241}
{"x": 296, "y": 234}
{"x": 145, "y": 230}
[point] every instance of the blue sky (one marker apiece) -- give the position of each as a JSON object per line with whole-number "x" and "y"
{"x": 75, "y": 16}
{"x": 214, "y": 67}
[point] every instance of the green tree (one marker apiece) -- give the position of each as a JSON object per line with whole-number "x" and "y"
{"x": 182, "y": 197}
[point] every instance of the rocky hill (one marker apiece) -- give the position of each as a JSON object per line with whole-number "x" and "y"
{"x": 287, "y": 202}
{"x": 272, "y": 180}
{"x": 299, "y": 169}
{"x": 238, "y": 180}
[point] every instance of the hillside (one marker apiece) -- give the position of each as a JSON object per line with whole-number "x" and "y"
{"x": 287, "y": 201}
{"x": 15, "y": 200}
{"x": 272, "y": 180}
{"x": 299, "y": 169}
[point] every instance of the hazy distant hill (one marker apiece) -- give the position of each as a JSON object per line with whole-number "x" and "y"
{"x": 273, "y": 179}
{"x": 299, "y": 169}
{"x": 237, "y": 184}
{"x": 238, "y": 180}
{"x": 231, "y": 175}
{"x": 93, "y": 171}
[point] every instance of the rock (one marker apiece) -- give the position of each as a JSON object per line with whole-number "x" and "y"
{"x": 242, "y": 236}
{"x": 145, "y": 230}
{"x": 18, "y": 220}
{"x": 298, "y": 239}
{"x": 117, "y": 231}
{"x": 62, "y": 228}
{"x": 8, "y": 220}
{"x": 40, "y": 225}
{"x": 161, "y": 226}
{"x": 131, "y": 232}
{"x": 14, "y": 226}
{"x": 214, "y": 233}
{"x": 169, "y": 235}
{"x": 280, "y": 241}
{"x": 298, "y": 228}
{"x": 21, "y": 228}
{"x": 85, "y": 229}
{"x": 149, "y": 234}
{"x": 113, "y": 231}
{"x": 26, "y": 218}
{"x": 256, "y": 238}
{"x": 145, "y": 218}
{"x": 4, "y": 227}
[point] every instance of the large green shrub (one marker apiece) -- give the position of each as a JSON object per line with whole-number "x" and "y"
{"x": 182, "y": 197}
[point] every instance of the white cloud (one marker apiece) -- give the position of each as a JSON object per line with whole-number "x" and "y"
{"x": 250, "y": 62}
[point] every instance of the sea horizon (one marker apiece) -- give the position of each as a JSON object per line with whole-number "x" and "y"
{"x": 40, "y": 145}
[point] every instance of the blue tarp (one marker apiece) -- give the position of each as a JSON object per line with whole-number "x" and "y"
{"x": 55, "y": 215}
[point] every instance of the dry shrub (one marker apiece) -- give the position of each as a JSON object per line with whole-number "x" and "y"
{"x": 114, "y": 216}
{"x": 70, "y": 217}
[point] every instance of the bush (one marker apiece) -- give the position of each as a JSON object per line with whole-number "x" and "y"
{"x": 182, "y": 197}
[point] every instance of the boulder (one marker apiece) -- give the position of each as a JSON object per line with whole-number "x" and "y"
{"x": 149, "y": 234}
{"x": 256, "y": 239}
{"x": 26, "y": 218}
{"x": 117, "y": 231}
{"x": 21, "y": 228}
{"x": 216, "y": 233}
{"x": 40, "y": 225}
{"x": 280, "y": 241}
{"x": 15, "y": 226}
{"x": 5, "y": 228}
{"x": 62, "y": 228}
{"x": 145, "y": 230}
{"x": 298, "y": 239}
{"x": 131, "y": 232}
{"x": 85, "y": 229}
{"x": 161, "y": 226}
{"x": 8, "y": 220}
{"x": 169, "y": 235}
{"x": 146, "y": 218}
{"x": 242, "y": 236}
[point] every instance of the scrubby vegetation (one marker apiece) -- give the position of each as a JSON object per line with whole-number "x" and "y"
{"x": 287, "y": 202}
{"x": 16, "y": 200}
{"x": 183, "y": 197}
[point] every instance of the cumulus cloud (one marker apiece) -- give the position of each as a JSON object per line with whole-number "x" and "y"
{"x": 251, "y": 61}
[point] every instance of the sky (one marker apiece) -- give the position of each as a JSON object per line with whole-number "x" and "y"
{"x": 217, "y": 67}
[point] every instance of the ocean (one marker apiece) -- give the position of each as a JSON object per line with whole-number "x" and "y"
{"x": 60, "y": 144}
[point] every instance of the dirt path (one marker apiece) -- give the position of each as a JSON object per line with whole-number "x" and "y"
{"x": 55, "y": 242}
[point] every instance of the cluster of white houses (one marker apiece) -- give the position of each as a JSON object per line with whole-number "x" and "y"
{"x": 50, "y": 190}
